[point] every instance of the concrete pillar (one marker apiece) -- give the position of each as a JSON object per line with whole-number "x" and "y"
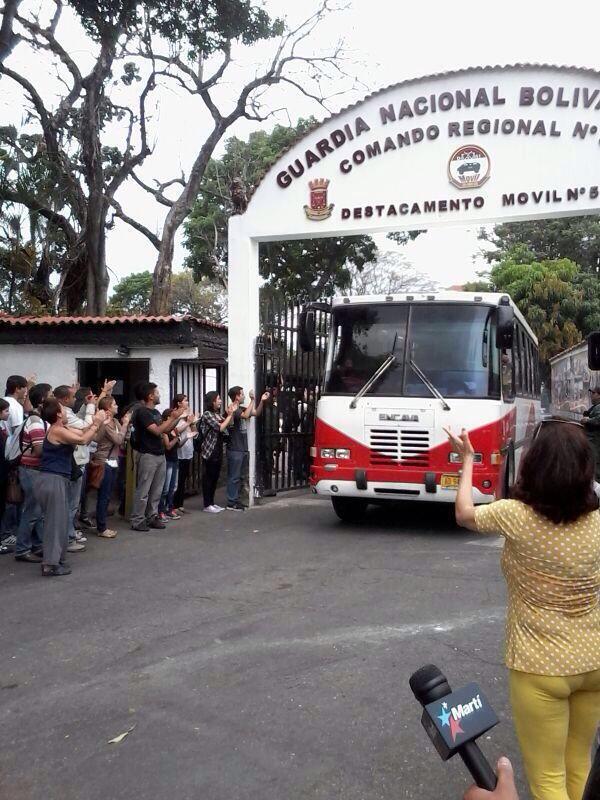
{"x": 243, "y": 296}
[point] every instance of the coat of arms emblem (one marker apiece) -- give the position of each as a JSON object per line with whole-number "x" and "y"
{"x": 318, "y": 208}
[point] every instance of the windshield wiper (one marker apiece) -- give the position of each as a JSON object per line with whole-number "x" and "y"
{"x": 377, "y": 374}
{"x": 421, "y": 375}
{"x": 374, "y": 377}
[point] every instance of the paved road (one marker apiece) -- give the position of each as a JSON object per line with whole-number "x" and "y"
{"x": 256, "y": 656}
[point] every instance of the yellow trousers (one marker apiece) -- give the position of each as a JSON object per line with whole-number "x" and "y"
{"x": 555, "y": 720}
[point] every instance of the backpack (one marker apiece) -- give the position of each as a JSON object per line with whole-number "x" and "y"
{"x": 197, "y": 440}
{"x": 13, "y": 447}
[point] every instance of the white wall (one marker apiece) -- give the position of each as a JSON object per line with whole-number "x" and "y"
{"x": 57, "y": 364}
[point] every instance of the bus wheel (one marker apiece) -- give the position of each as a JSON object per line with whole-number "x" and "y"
{"x": 509, "y": 472}
{"x": 349, "y": 509}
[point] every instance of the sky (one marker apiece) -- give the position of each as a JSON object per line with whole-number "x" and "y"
{"x": 386, "y": 41}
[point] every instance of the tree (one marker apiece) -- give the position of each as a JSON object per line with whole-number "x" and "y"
{"x": 132, "y": 294}
{"x": 204, "y": 300}
{"x": 575, "y": 238}
{"x": 8, "y": 38}
{"x": 305, "y": 269}
{"x": 558, "y": 299}
{"x": 389, "y": 274}
{"x": 140, "y": 48}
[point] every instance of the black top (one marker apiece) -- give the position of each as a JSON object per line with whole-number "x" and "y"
{"x": 238, "y": 436}
{"x": 57, "y": 458}
{"x": 146, "y": 441}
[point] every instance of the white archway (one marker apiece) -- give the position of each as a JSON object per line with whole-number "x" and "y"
{"x": 489, "y": 144}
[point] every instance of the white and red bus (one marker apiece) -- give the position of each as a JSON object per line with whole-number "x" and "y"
{"x": 399, "y": 370}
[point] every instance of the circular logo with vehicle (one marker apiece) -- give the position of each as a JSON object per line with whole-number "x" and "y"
{"x": 469, "y": 167}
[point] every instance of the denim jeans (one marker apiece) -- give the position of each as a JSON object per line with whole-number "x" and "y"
{"x": 236, "y": 460}
{"x": 104, "y": 494}
{"x": 170, "y": 485}
{"x": 31, "y": 527}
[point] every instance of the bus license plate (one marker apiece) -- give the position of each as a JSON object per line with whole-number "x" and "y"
{"x": 450, "y": 481}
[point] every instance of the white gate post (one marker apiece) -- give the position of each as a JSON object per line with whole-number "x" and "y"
{"x": 244, "y": 322}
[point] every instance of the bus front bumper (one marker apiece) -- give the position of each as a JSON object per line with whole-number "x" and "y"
{"x": 380, "y": 491}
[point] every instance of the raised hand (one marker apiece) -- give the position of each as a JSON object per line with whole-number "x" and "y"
{"x": 108, "y": 386}
{"x": 265, "y": 396}
{"x": 99, "y": 417}
{"x": 251, "y": 394}
{"x": 460, "y": 444}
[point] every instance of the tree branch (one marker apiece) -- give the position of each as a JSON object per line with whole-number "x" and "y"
{"x": 120, "y": 214}
{"x": 32, "y": 203}
{"x": 156, "y": 192}
{"x": 8, "y": 38}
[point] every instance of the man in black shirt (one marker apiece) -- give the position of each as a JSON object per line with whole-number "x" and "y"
{"x": 147, "y": 441}
{"x": 237, "y": 444}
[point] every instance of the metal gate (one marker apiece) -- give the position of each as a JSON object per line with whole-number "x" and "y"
{"x": 285, "y": 429}
{"x": 195, "y": 379}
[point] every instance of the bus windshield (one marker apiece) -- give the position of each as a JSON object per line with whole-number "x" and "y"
{"x": 452, "y": 343}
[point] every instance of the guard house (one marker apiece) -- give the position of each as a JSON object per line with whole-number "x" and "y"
{"x": 179, "y": 353}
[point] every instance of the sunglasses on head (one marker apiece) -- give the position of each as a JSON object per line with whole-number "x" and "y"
{"x": 554, "y": 421}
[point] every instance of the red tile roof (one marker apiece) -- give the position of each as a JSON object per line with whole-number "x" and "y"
{"x": 87, "y": 321}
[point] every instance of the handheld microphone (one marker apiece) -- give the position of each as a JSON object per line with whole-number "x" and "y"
{"x": 453, "y": 720}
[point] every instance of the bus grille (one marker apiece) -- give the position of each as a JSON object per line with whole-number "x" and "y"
{"x": 391, "y": 445}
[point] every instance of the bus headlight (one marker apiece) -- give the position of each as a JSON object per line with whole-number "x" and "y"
{"x": 327, "y": 452}
{"x": 456, "y": 458}
{"x": 342, "y": 453}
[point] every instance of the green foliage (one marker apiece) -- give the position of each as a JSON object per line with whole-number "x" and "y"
{"x": 132, "y": 294}
{"x": 204, "y": 300}
{"x": 575, "y": 238}
{"x": 199, "y": 26}
{"x": 299, "y": 269}
{"x": 559, "y": 300}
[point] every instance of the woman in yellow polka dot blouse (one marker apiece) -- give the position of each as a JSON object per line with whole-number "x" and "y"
{"x": 551, "y": 563}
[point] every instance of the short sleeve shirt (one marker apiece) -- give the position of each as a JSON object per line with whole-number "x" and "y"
{"x": 148, "y": 442}
{"x": 34, "y": 432}
{"x": 15, "y": 415}
{"x": 238, "y": 434}
{"x": 553, "y": 576}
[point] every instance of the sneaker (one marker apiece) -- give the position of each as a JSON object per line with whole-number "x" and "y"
{"x": 9, "y": 541}
{"x": 172, "y": 515}
{"x": 235, "y": 507}
{"x": 181, "y": 510}
{"x": 157, "y": 523}
{"x": 85, "y": 521}
{"x": 75, "y": 547}
{"x": 219, "y": 508}
{"x": 79, "y": 537}
{"x": 210, "y": 510}
{"x": 162, "y": 517}
{"x": 107, "y": 534}
{"x": 216, "y": 509}
{"x": 143, "y": 526}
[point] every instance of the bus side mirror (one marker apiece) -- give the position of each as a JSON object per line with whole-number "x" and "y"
{"x": 306, "y": 330}
{"x": 505, "y": 327}
{"x": 594, "y": 350}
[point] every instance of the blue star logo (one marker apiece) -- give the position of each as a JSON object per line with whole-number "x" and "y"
{"x": 445, "y": 715}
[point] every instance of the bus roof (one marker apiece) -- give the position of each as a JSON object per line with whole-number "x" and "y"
{"x": 485, "y": 298}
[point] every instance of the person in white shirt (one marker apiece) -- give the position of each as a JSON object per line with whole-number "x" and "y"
{"x": 16, "y": 393}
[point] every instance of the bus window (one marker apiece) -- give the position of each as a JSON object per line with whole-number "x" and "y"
{"x": 508, "y": 383}
{"x": 363, "y": 337}
{"x": 451, "y": 345}
{"x": 516, "y": 354}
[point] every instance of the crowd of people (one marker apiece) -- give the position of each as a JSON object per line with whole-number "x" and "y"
{"x": 63, "y": 459}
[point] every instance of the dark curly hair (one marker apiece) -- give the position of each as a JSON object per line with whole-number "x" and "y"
{"x": 556, "y": 476}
